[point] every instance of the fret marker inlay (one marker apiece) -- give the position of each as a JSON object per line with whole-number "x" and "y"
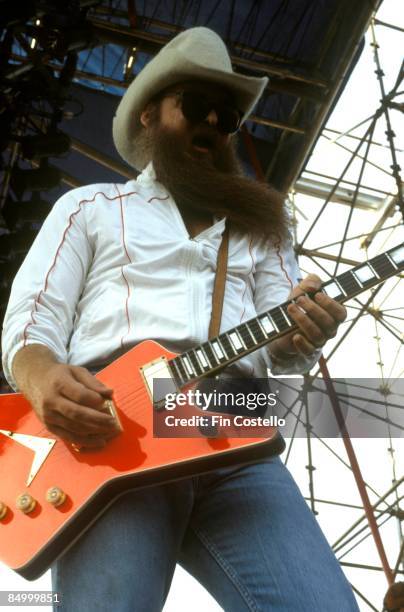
{"x": 397, "y": 255}
{"x": 267, "y": 325}
{"x": 202, "y": 358}
{"x": 364, "y": 274}
{"x": 236, "y": 341}
{"x": 218, "y": 350}
{"x": 188, "y": 366}
{"x": 333, "y": 291}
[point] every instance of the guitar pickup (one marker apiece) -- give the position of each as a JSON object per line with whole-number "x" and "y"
{"x": 159, "y": 381}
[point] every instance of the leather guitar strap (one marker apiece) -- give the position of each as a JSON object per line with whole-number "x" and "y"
{"x": 219, "y": 285}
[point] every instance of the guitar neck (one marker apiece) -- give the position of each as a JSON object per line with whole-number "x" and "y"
{"x": 218, "y": 352}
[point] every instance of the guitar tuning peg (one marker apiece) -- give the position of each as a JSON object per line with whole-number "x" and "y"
{"x": 3, "y": 510}
{"x": 26, "y": 503}
{"x": 55, "y": 496}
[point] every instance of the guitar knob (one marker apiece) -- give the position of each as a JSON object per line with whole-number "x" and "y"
{"x": 26, "y": 503}
{"x": 55, "y": 496}
{"x": 3, "y": 510}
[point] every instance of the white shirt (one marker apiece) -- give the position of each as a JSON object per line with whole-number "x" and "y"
{"x": 114, "y": 265}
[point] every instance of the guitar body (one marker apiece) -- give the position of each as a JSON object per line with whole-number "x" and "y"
{"x": 91, "y": 480}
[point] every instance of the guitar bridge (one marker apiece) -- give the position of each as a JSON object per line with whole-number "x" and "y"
{"x": 159, "y": 381}
{"x": 110, "y": 407}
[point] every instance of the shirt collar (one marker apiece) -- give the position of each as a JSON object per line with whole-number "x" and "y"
{"x": 148, "y": 175}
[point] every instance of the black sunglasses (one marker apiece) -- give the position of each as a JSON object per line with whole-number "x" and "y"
{"x": 196, "y": 106}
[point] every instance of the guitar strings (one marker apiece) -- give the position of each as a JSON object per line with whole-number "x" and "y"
{"x": 125, "y": 403}
{"x": 128, "y": 400}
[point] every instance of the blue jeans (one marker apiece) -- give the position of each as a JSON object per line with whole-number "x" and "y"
{"x": 244, "y": 532}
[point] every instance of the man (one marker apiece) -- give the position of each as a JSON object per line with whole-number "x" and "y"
{"x": 116, "y": 264}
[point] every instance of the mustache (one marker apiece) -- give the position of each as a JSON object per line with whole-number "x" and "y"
{"x": 207, "y": 133}
{"x": 178, "y": 147}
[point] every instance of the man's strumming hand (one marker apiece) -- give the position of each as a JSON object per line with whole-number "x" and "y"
{"x": 317, "y": 320}
{"x": 67, "y": 399}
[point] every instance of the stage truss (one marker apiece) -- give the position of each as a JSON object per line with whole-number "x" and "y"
{"x": 364, "y": 205}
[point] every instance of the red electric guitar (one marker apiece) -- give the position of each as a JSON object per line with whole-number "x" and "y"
{"x": 50, "y": 493}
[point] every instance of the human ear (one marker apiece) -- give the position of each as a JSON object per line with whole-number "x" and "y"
{"x": 146, "y": 115}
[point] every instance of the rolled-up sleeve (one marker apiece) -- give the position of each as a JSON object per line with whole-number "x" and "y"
{"x": 48, "y": 285}
{"x": 275, "y": 276}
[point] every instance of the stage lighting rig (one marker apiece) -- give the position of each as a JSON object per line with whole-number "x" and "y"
{"x": 39, "y": 146}
{"x": 38, "y": 179}
{"x": 34, "y": 34}
{"x": 56, "y": 31}
{"x": 17, "y": 214}
{"x": 61, "y": 27}
{"x": 16, "y": 12}
{"x": 56, "y": 40}
{"x": 127, "y": 70}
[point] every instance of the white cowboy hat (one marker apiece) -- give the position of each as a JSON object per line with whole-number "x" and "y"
{"x": 197, "y": 53}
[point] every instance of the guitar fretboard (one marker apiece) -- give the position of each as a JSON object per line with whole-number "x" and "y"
{"x": 217, "y": 353}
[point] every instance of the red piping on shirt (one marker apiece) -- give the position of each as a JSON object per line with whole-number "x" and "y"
{"x": 122, "y": 272}
{"x": 157, "y": 198}
{"x": 278, "y": 252}
{"x": 69, "y": 224}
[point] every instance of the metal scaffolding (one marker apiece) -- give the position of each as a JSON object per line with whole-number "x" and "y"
{"x": 383, "y": 305}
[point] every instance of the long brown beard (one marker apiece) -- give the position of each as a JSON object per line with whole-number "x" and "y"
{"x": 214, "y": 183}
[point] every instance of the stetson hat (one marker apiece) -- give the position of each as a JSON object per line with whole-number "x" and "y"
{"x": 196, "y": 53}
